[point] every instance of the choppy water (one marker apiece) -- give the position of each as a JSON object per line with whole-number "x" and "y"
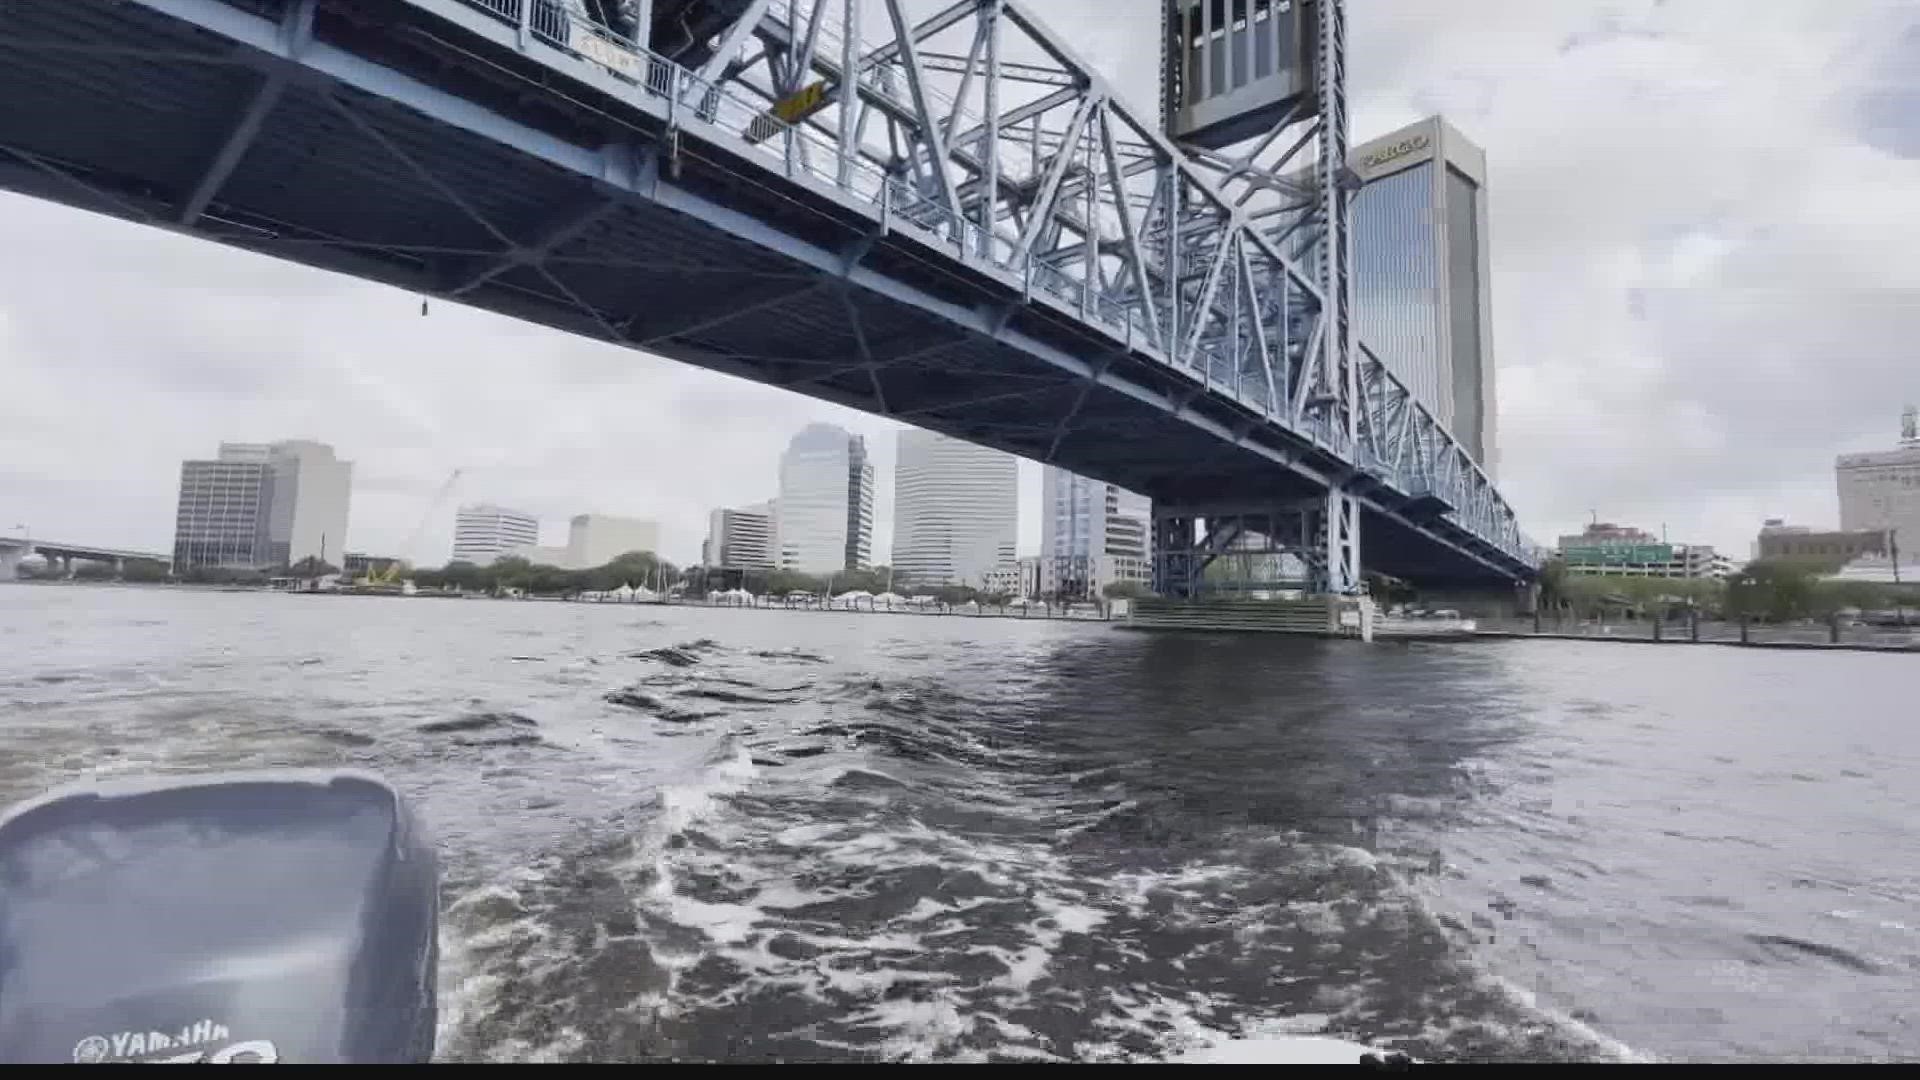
{"x": 806, "y": 836}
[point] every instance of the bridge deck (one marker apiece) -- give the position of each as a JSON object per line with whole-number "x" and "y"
{"x": 413, "y": 145}
{"x": 85, "y": 552}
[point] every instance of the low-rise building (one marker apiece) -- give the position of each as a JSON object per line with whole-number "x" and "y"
{"x": 1070, "y": 577}
{"x": 742, "y": 538}
{"x": 1607, "y": 550}
{"x": 541, "y": 555}
{"x": 1779, "y": 540}
{"x": 483, "y": 532}
{"x": 1029, "y": 569}
{"x": 598, "y": 539}
{"x": 1003, "y": 580}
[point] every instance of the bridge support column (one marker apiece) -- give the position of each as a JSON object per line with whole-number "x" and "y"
{"x": 10, "y": 557}
{"x": 1339, "y": 563}
{"x": 1175, "y": 575}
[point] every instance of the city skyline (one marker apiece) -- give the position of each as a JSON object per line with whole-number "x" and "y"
{"x": 1655, "y": 343}
{"x": 278, "y": 534}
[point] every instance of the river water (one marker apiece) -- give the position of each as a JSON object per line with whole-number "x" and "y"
{"x": 833, "y": 836}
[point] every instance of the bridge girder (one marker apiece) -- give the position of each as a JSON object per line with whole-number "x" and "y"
{"x": 1125, "y": 262}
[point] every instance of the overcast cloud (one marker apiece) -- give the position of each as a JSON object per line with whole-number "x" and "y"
{"x": 1706, "y": 245}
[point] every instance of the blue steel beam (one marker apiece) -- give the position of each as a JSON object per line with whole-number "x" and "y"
{"x": 235, "y": 145}
{"x": 117, "y": 204}
{"x": 296, "y": 29}
{"x": 563, "y": 229}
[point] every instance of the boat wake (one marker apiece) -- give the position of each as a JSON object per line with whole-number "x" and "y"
{"x": 893, "y": 869}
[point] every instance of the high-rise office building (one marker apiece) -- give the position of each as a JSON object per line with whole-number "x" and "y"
{"x": 598, "y": 539}
{"x": 1881, "y": 490}
{"x": 956, "y": 511}
{"x": 825, "y": 512}
{"x": 741, "y": 538}
{"x": 300, "y": 493}
{"x": 482, "y": 532}
{"x": 311, "y": 496}
{"x": 223, "y": 515}
{"x": 1092, "y": 534}
{"x": 1421, "y": 273}
{"x": 860, "y": 497}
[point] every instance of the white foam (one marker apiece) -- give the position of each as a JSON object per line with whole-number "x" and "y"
{"x": 485, "y": 922}
{"x": 1422, "y": 903}
{"x": 1069, "y": 917}
{"x": 1530, "y": 1002}
{"x": 1297, "y": 1050}
{"x": 764, "y": 869}
{"x": 919, "y": 1028}
{"x": 565, "y": 1043}
{"x": 1078, "y": 827}
{"x": 684, "y": 805}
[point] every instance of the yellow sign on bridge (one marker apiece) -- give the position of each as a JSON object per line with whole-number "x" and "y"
{"x": 791, "y": 109}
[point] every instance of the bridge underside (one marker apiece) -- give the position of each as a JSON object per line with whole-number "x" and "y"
{"x": 396, "y": 149}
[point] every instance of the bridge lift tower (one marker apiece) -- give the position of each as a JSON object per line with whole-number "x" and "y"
{"x": 1252, "y": 90}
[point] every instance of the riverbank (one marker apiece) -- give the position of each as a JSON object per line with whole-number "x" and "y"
{"x": 1038, "y": 613}
{"x": 1751, "y": 643}
{"x": 1028, "y": 613}
{"x": 1806, "y": 636}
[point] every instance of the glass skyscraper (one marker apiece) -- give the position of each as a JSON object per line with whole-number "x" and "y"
{"x": 824, "y": 517}
{"x": 1091, "y": 535}
{"x": 1421, "y": 272}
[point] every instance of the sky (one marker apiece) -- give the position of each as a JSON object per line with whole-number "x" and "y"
{"x": 1705, "y": 231}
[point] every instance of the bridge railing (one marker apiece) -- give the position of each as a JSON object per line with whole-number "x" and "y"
{"x": 1424, "y": 458}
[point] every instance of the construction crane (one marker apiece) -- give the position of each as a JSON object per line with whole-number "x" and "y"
{"x": 391, "y": 576}
{"x": 427, "y": 514}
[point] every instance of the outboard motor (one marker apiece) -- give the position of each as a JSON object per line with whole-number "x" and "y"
{"x": 241, "y": 918}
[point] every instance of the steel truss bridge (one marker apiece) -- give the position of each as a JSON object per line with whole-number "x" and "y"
{"x": 946, "y": 218}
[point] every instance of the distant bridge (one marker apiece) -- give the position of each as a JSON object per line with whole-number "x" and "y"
{"x": 64, "y": 555}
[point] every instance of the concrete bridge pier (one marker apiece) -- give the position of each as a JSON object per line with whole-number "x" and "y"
{"x": 10, "y": 556}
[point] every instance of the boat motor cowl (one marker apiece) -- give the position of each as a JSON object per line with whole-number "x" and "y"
{"x": 286, "y": 916}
